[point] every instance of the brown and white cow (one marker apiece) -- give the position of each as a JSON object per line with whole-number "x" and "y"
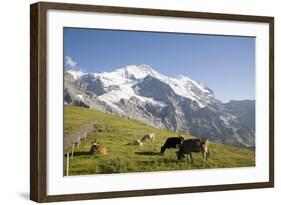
{"x": 97, "y": 148}
{"x": 193, "y": 145}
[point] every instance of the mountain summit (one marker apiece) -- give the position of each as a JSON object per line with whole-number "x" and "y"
{"x": 175, "y": 103}
{"x": 123, "y": 79}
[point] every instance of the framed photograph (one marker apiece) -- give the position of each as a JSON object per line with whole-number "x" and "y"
{"x": 134, "y": 102}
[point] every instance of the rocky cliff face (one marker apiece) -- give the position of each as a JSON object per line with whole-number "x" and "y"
{"x": 178, "y": 104}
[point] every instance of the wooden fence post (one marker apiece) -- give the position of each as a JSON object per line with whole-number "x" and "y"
{"x": 67, "y": 164}
{"x": 72, "y": 151}
{"x": 85, "y": 135}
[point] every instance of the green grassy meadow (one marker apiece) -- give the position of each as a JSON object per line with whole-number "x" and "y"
{"x": 115, "y": 133}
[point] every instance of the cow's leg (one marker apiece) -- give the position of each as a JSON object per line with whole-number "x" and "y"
{"x": 190, "y": 159}
{"x": 207, "y": 154}
{"x": 204, "y": 155}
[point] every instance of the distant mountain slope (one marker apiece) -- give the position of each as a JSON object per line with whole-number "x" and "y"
{"x": 244, "y": 110}
{"x": 176, "y": 104}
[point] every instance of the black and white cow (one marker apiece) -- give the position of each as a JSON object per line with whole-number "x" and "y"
{"x": 193, "y": 145}
{"x": 148, "y": 137}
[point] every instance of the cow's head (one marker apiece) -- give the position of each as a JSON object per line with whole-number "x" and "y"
{"x": 203, "y": 143}
{"x": 162, "y": 150}
{"x": 181, "y": 139}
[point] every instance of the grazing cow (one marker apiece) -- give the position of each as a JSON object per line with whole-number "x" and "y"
{"x": 148, "y": 137}
{"x": 172, "y": 142}
{"x": 193, "y": 145}
{"x": 136, "y": 143}
{"x": 97, "y": 148}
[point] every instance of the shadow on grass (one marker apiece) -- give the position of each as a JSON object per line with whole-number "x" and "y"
{"x": 149, "y": 153}
{"x": 80, "y": 153}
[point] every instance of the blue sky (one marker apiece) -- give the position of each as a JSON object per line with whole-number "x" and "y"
{"x": 226, "y": 64}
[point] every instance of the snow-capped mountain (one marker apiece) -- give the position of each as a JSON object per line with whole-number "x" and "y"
{"x": 76, "y": 74}
{"x": 174, "y": 103}
{"x": 119, "y": 84}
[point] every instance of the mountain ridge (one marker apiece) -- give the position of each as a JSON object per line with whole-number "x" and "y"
{"x": 173, "y": 103}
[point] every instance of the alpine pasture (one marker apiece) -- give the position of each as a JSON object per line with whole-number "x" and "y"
{"x": 115, "y": 133}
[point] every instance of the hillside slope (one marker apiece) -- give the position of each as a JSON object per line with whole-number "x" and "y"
{"x": 115, "y": 133}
